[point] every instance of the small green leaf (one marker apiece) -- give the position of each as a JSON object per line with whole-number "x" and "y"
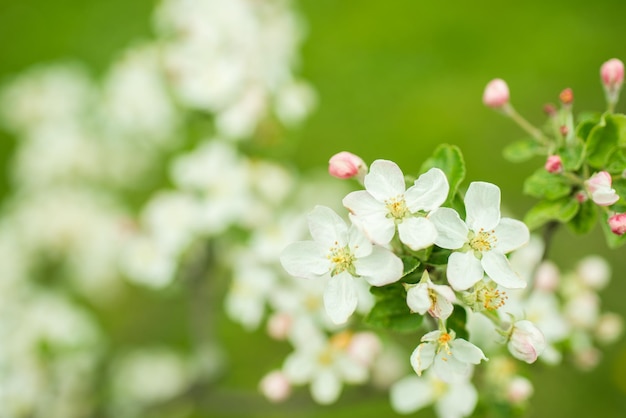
{"x": 616, "y": 162}
{"x": 450, "y": 160}
{"x": 612, "y": 240}
{"x": 562, "y": 210}
{"x": 542, "y": 184}
{"x": 585, "y": 218}
{"x": 522, "y": 150}
{"x": 573, "y": 156}
{"x": 605, "y": 138}
{"x": 410, "y": 266}
{"x": 439, "y": 257}
{"x": 584, "y": 128}
{"x": 391, "y": 310}
{"x": 458, "y": 322}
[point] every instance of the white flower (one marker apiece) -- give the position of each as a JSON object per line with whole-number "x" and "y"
{"x": 342, "y": 254}
{"x": 481, "y": 241}
{"x": 451, "y": 400}
{"x": 386, "y": 204}
{"x": 427, "y": 296}
{"x": 599, "y": 186}
{"x": 451, "y": 358}
{"x": 526, "y": 342}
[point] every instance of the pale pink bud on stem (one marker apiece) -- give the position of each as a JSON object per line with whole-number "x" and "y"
{"x": 599, "y": 186}
{"x": 275, "y": 386}
{"x": 345, "y": 165}
{"x": 526, "y": 341}
{"x": 581, "y": 196}
{"x": 617, "y": 223}
{"x": 550, "y": 110}
{"x": 612, "y": 75}
{"x": 279, "y": 325}
{"x": 496, "y": 94}
{"x": 554, "y": 164}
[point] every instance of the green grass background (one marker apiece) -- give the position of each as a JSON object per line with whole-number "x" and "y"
{"x": 394, "y": 78}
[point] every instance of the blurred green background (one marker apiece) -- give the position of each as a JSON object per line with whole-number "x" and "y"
{"x": 394, "y": 79}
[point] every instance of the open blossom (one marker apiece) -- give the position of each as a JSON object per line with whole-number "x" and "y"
{"x": 496, "y": 93}
{"x": 341, "y": 254}
{"x": 599, "y": 186}
{"x": 429, "y": 297}
{"x": 526, "y": 342}
{"x": 386, "y": 204}
{"x": 450, "y": 357}
{"x": 482, "y": 241}
{"x": 345, "y": 165}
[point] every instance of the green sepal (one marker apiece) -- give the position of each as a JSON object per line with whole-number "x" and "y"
{"x": 605, "y": 138}
{"x": 391, "y": 311}
{"x": 542, "y": 184}
{"x": 450, "y": 160}
{"x": 585, "y": 218}
{"x": 458, "y": 322}
{"x": 522, "y": 150}
{"x": 562, "y": 210}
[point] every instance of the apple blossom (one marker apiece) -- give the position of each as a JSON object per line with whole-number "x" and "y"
{"x": 340, "y": 254}
{"x": 554, "y": 164}
{"x": 429, "y": 297}
{"x": 526, "y": 342}
{"x": 386, "y": 205}
{"x": 599, "y": 186}
{"x": 275, "y": 386}
{"x": 496, "y": 93}
{"x": 345, "y": 165}
{"x": 612, "y": 74}
{"x": 617, "y": 223}
{"x": 481, "y": 242}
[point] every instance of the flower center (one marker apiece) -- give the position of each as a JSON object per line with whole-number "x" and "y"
{"x": 342, "y": 259}
{"x": 483, "y": 240}
{"x": 396, "y": 206}
{"x": 493, "y": 299}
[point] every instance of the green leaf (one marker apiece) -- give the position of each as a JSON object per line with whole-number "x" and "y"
{"x": 542, "y": 184}
{"x": 612, "y": 240}
{"x": 605, "y": 138}
{"x": 450, "y": 160}
{"x": 616, "y": 163}
{"x": 391, "y": 310}
{"x": 562, "y": 210}
{"x": 573, "y": 156}
{"x": 522, "y": 150}
{"x": 458, "y": 322}
{"x": 584, "y": 128}
{"x": 410, "y": 265}
{"x": 439, "y": 257}
{"x": 585, "y": 218}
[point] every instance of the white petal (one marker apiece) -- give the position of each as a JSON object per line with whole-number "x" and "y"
{"x": 417, "y": 233}
{"x": 464, "y": 270}
{"x": 422, "y": 357}
{"x": 410, "y": 394}
{"x": 418, "y": 299}
{"x": 359, "y": 244}
{"x": 429, "y": 191}
{"x": 451, "y": 230}
{"x": 511, "y": 234}
{"x": 459, "y": 401}
{"x": 466, "y": 352}
{"x": 340, "y": 298}
{"x": 371, "y": 216}
{"x": 327, "y": 227}
{"x": 325, "y": 387}
{"x": 299, "y": 367}
{"x": 449, "y": 368}
{"x": 498, "y": 268}
{"x": 304, "y": 259}
{"x": 482, "y": 205}
{"x": 351, "y": 370}
{"x": 384, "y": 180}
{"x": 379, "y": 268}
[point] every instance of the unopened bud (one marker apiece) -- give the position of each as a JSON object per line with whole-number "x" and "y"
{"x": 581, "y": 197}
{"x": 526, "y": 342}
{"x": 563, "y": 130}
{"x": 617, "y": 223}
{"x": 599, "y": 185}
{"x": 612, "y": 74}
{"x": 275, "y": 386}
{"x": 279, "y": 325}
{"x": 345, "y": 165}
{"x": 496, "y": 93}
{"x": 550, "y": 109}
{"x": 547, "y": 277}
{"x": 554, "y": 164}
{"x": 567, "y": 96}
{"x": 519, "y": 390}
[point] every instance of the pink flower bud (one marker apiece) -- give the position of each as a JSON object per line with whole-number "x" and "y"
{"x": 567, "y": 96}
{"x": 554, "y": 164}
{"x": 526, "y": 342}
{"x": 617, "y": 223}
{"x": 612, "y": 74}
{"x": 345, "y": 165}
{"x": 275, "y": 386}
{"x": 581, "y": 196}
{"x": 599, "y": 185}
{"x": 519, "y": 390}
{"x": 496, "y": 93}
{"x": 279, "y": 325}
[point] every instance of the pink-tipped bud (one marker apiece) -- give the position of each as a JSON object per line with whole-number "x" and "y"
{"x": 496, "y": 93}
{"x": 618, "y": 223}
{"x": 275, "y": 386}
{"x": 599, "y": 185}
{"x": 564, "y": 130}
{"x": 279, "y": 325}
{"x": 567, "y": 96}
{"x": 526, "y": 342}
{"x": 612, "y": 74}
{"x": 581, "y": 197}
{"x": 550, "y": 110}
{"x": 345, "y": 165}
{"x": 554, "y": 164}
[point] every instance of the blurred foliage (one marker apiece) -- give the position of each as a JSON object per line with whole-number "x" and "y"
{"x": 394, "y": 79}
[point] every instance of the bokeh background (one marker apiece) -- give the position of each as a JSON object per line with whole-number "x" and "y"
{"x": 394, "y": 79}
